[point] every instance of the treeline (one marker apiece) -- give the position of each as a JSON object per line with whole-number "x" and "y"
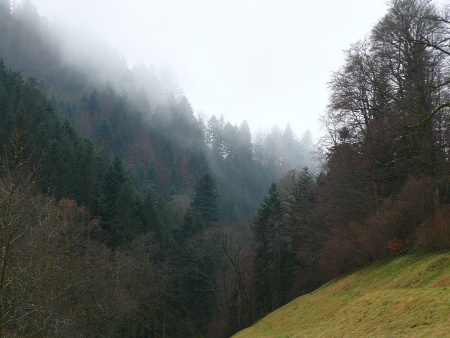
{"x": 384, "y": 185}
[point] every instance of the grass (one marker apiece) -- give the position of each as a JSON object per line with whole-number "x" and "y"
{"x": 406, "y": 297}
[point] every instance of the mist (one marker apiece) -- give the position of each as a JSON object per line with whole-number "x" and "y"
{"x": 265, "y": 63}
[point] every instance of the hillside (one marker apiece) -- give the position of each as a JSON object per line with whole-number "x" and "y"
{"x": 124, "y": 213}
{"x": 125, "y": 180}
{"x": 405, "y": 297}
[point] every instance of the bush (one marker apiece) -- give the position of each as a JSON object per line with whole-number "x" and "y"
{"x": 434, "y": 235}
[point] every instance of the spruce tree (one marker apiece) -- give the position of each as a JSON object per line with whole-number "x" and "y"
{"x": 204, "y": 208}
{"x": 114, "y": 179}
{"x": 206, "y": 199}
{"x": 272, "y": 254}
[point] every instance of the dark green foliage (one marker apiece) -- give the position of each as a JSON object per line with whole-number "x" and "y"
{"x": 203, "y": 211}
{"x": 114, "y": 179}
{"x": 206, "y": 200}
{"x": 271, "y": 210}
{"x": 128, "y": 286}
{"x": 302, "y": 195}
{"x": 125, "y": 225}
{"x": 152, "y": 211}
{"x": 193, "y": 222}
{"x": 120, "y": 209}
{"x": 272, "y": 262}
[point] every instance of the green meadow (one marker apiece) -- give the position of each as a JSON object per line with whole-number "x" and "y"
{"x": 405, "y": 297}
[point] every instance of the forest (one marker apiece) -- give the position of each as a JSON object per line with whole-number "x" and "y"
{"x": 123, "y": 214}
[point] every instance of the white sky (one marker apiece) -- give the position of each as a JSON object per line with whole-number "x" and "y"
{"x": 265, "y": 61}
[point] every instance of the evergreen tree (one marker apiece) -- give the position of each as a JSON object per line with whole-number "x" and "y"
{"x": 206, "y": 199}
{"x": 197, "y": 255}
{"x": 114, "y": 179}
{"x": 151, "y": 218}
{"x": 204, "y": 209}
{"x": 272, "y": 254}
{"x": 125, "y": 224}
{"x": 299, "y": 193}
{"x": 245, "y": 151}
{"x": 300, "y": 198}
{"x": 193, "y": 222}
{"x": 214, "y": 137}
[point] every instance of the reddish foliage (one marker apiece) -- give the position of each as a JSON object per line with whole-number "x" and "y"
{"x": 397, "y": 245}
{"x": 344, "y": 249}
{"x": 391, "y": 228}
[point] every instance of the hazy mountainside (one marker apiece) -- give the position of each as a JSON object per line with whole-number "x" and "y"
{"x": 405, "y": 297}
{"x": 142, "y": 116}
{"x": 127, "y": 184}
{"x": 125, "y": 215}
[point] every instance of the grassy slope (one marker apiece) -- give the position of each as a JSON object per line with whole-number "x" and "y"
{"x": 406, "y": 297}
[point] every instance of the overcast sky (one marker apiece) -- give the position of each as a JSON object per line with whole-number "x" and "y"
{"x": 265, "y": 61}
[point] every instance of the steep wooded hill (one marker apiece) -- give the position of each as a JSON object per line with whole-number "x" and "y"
{"x": 126, "y": 181}
{"x": 127, "y": 185}
{"x": 142, "y": 116}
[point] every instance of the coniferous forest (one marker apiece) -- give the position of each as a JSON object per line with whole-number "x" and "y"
{"x": 123, "y": 214}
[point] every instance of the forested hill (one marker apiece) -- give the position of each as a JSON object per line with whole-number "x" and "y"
{"x": 126, "y": 183}
{"x": 123, "y": 214}
{"x": 141, "y": 116}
